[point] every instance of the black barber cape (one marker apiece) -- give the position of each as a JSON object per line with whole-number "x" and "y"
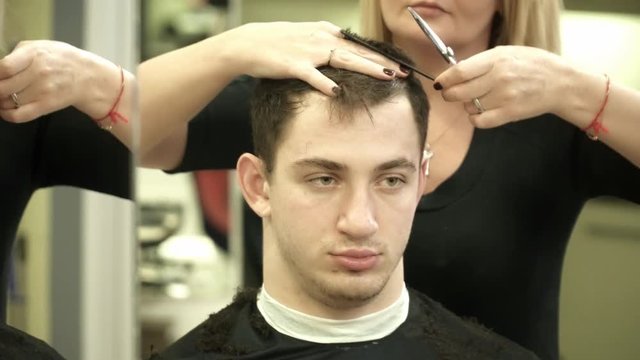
{"x": 17, "y": 345}
{"x": 430, "y": 332}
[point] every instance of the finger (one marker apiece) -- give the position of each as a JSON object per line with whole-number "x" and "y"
{"x": 26, "y": 87}
{"x": 382, "y": 61}
{"x": 466, "y": 70}
{"x": 331, "y": 28}
{"x": 315, "y": 78}
{"x": 345, "y": 44}
{"x": 376, "y": 58}
{"x": 16, "y": 83}
{"x": 471, "y": 109}
{"x": 468, "y": 90}
{"x": 344, "y": 59}
{"x": 476, "y": 106}
{"x": 22, "y": 114}
{"x": 8, "y": 103}
{"x": 21, "y": 98}
{"x": 483, "y": 121}
{"x": 490, "y": 118}
{"x": 15, "y": 62}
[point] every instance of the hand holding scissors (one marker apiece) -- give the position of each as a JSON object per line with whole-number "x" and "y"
{"x": 446, "y": 52}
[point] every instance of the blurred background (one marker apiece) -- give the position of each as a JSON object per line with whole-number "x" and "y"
{"x": 73, "y": 280}
{"x": 189, "y": 255}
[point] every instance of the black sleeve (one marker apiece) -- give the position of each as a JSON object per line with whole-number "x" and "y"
{"x": 221, "y": 132}
{"x": 600, "y": 171}
{"x": 72, "y": 150}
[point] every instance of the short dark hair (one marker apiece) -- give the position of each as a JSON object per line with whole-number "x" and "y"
{"x": 275, "y": 102}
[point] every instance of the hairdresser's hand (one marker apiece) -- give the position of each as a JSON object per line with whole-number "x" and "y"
{"x": 48, "y": 75}
{"x": 511, "y": 82}
{"x": 283, "y": 50}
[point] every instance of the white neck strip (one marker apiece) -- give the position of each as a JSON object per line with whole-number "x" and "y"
{"x": 328, "y": 331}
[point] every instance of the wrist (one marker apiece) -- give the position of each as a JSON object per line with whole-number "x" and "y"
{"x": 98, "y": 87}
{"x": 233, "y": 51}
{"x": 581, "y": 96}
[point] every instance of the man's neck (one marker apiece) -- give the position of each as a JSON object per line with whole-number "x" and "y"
{"x": 307, "y": 327}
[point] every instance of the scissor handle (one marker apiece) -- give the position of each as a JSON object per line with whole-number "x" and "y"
{"x": 445, "y": 51}
{"x": 450, "y": 56}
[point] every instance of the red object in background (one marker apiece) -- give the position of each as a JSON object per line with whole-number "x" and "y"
{"x": 213, "y": 186}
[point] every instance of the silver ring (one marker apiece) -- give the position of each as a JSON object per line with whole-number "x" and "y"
{"x": 478, "y": 105}
{"x": 16, "y": 101}
{"x": 330, "y": 56}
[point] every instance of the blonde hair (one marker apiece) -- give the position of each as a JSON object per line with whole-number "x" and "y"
{"x": 525, "y": 22}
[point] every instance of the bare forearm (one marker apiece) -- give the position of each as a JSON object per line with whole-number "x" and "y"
{"x": 585, "y": 96}
{"x": 174, "y": 88}
{"x": 168, "y": 152}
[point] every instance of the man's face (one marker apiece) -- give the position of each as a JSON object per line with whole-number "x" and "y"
{"x": 342, "y": 196}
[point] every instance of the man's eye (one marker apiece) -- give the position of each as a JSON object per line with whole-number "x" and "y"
{"x": 323, "y": 181}
{"x": 393, "y": 181}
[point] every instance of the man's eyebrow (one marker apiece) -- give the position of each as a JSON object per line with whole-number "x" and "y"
{"x": 397, "y": 163}
{"x": 335, "y": 166}
{"x": 320, "y": 163}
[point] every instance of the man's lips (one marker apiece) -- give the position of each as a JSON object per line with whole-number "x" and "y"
{"x": 356, "y": 253}
{"x": 356, "y": 259}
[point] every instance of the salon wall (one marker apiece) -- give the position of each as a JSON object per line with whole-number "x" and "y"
{"x": 29, "y": 307}
{"x": 30, "y": 19}
{"x": 73, "y": 284}
{"x": 344, "y": 13}
{"x": 599, "y": 317}
{"x": 607, "y": 6}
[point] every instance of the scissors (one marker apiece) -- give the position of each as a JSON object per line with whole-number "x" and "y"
{"x": 444, "y": 50}
{"x": 349, "y": 35}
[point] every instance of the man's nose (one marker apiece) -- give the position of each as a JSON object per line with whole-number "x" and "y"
{"x": 358, "y": 216}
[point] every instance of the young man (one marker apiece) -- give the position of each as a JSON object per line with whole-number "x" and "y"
{"x": 336, "y": 181}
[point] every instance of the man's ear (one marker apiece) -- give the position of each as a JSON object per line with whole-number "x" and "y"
{"x": 422, "y": 177}
{"x": 253, "y": 183}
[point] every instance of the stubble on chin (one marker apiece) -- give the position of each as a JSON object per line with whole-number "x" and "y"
{"x": 346, "y": 290}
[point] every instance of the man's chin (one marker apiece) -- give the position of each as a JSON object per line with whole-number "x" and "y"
{"x": 354, "y": 291}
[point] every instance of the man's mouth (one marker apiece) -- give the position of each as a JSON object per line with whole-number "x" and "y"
{"x": 357, "y": 259}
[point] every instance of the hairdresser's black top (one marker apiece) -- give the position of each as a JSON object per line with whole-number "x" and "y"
{"x": 63, "y": 148}
{"x": 430, "y": 332}
{"x": 489, "y": 242}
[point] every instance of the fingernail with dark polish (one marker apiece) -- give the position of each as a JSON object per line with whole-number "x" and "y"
{"x": 388, "y": 72}
{"x": 405, "y": 70}
{"x": 437, "y": 86}
{"x": 337, "y": 90}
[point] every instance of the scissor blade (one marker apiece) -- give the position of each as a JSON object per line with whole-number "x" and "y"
{"x": 426, "y": 29}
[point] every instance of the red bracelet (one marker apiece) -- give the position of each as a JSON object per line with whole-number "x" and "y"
{"x": 113, "y": 115}
{"x": 596, "y": 126}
